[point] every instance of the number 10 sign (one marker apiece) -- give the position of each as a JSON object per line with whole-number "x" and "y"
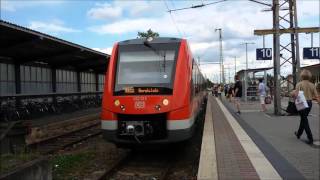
{"x": 264, "y": 53}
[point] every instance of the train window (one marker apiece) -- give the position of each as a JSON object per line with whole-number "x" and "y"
{"x": 145, "y": 67}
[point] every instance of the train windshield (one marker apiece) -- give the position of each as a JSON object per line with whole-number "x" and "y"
{"x": 140, "y": 67}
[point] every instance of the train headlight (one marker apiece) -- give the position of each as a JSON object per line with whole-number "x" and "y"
{"x": 165, "y": 102}
{"x": 122, "y": 108}
{"x": 158, "y": 107}
{"x": 150, "y": 38}
{"x": 117, "y": 102}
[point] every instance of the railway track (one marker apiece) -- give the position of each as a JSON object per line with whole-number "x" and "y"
{"x": 177, "y": 161}
{"x": 58, "y": 143}
{"x": 137, "y": 165}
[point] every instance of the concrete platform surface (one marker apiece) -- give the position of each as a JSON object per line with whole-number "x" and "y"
{"x": 227, "y": 152}
{"x": 274, "y": 136}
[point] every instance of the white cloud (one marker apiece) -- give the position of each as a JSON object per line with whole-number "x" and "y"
{"x": 53, "y": 27}
{"x": 14, "y": 5}
{"x": 135, "y": 8}
{"x": 238, "y": 19}
{"x": 118, "y": 9}
{"x": 308, "y": 8}
{"x": 198, "y": 25}
{"x": 133, "y": 25}
{"x": 104, "y": 50}
{"x": 104, "y": 11}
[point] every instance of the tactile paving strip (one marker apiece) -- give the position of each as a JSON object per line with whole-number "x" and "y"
{"x": 232, "y": 160}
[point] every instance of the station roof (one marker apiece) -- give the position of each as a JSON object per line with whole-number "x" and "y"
{"x": 255, "y": 70}
{"x": 25, "y": 46}
{"x": 314, "y": 66}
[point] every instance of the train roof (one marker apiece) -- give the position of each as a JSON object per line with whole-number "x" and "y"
{"x": 155, "y": 40}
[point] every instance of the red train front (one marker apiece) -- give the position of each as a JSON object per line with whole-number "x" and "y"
{"x": 153, "y": 92}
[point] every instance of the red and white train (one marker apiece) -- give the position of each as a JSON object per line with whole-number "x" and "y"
{"x": 153, "y": 92}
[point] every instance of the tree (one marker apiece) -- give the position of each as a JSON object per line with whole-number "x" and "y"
{"x": 209, "y": 83}
{"x": 149, "y": 33}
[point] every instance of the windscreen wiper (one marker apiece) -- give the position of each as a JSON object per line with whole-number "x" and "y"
{"x": 147, "y": 44}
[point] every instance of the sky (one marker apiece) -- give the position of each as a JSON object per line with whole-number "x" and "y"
{"x": 99, "y": 24}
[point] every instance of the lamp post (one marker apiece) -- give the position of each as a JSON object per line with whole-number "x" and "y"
{"x": 221, "y": 56}
{"x": 235, "y": 65}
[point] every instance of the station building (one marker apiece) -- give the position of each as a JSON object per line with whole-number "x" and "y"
{"x": 40, "y": 70}
{"x": 250, "y": 90}
{"x": 250, "y": 86}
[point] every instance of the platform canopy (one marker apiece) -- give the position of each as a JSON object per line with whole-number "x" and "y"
{"x": 315, "y": 71}
{"x": 255, "y": 70}
{"x": 21, "y": 45}
{"x": 314, "y": 67}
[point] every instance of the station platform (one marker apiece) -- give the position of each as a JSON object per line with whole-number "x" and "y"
{"x": 49, "y": 119}
{"x": 55, "y": 125}
{"x": 256, "y": 145}
{"x": 27, "y": 132}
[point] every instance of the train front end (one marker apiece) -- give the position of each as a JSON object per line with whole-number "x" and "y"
{"x": 147, "y": 92}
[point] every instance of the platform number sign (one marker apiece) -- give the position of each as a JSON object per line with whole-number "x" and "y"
{"x": 264, "y": 53}
{"x": 311, "y": 53}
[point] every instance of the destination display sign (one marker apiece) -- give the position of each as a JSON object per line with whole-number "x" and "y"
{"x": 311, "y": 53}
{"x": 264, "y": 53}
{"x": 143, "y": 91}
{"x": 132, "y": 90}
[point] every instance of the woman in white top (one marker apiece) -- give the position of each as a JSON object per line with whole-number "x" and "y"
{"x": 262, "y": 94}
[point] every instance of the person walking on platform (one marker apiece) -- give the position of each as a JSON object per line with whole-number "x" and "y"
{"x": 219, "y": 90}
{"x": 291, "y": 108}
{"x": 230, "y": 92}
{"x": 262, "y": 94}
{"x": 237, "y": 93}
{"x": 226, "y": 87}
{"x": 310, "y": 93}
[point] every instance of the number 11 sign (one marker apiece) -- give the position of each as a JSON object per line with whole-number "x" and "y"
{"x": 311, "y": 53}
{"x": 264, "y": 53}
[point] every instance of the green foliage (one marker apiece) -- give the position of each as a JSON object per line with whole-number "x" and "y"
{"x": 64, "y": 165}
{"x": 149, "y": 33}
{"x": 209, "y": 83}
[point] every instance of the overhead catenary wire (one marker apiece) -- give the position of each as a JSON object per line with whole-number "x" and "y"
{"x": 172, "y": 4}
{"x": 259, "y": 2}
{"x": 202, "y": 63}
{"x": 195, "y": 6}
{"x": 173, "y": 20}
